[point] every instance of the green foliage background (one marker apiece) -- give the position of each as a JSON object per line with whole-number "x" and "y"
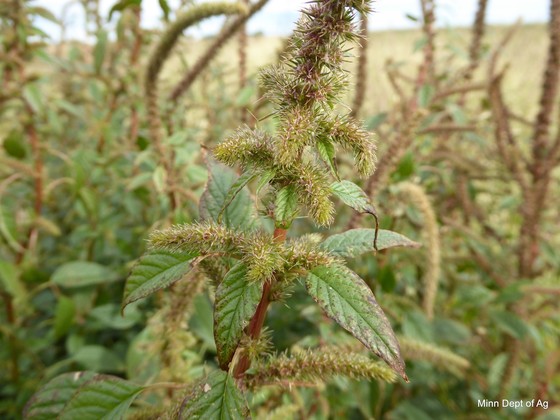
{"x": 82, "y": 186}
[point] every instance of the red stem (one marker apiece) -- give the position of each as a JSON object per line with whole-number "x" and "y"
{"x": 255, "y": 326}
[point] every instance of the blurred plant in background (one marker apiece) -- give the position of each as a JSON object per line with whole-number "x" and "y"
{"x": 466, "y": 167}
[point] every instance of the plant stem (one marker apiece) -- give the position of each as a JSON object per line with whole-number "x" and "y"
{"x": 255, "y": 326}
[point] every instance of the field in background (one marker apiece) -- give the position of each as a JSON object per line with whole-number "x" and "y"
{"x": 524, "y": 53}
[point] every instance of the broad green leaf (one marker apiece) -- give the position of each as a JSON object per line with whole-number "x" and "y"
{"x": 326, "y": 151}
{"x": 286, "y": 207}
{"x": 14, "y": 145}
{"x": 49, "y": 401}
{"x": 510, "y": 323}
{"x": 239, "y": 213}
{"x": 108, "y": 316}
{"x": 64, "y": 316}
{"x": 236, "y": 303}
{"x": 82, "y": 273}
{"x": 235, "y": 189}
{"x": 415, "y": 325}
{"x": 511, "y": 293}
{"x": 344, "y": 297}
{"x": 98, "y": 358}
{"x": 355, "y": 242}
{"x": 154, "y": 271}
{"x": 450, "y": 331}
{"x": 103, "y": 397}
{"x": 215, "y": 398}
{"x": 353, "y": 196}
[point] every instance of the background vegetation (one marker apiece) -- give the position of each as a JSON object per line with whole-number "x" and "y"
{"x": 469, "y": 147}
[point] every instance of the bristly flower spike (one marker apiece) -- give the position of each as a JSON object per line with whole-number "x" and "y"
{"x": 304, "y": 90}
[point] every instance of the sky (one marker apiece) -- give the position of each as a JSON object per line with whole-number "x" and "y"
{"x": 278, "y": 16}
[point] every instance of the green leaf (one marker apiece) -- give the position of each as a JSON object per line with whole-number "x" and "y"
{"x": 387, "y": 279}
{"x": 511, "y": 293}
{"x": 412, "y": 17}
{"x": 415, "y": 325}
{"x": 344, "y": 297}
{"x": 82, "y": 273}
{"x": 450, "y": 331}
{"x": 165, "y": 8}
{"x": 64, "y": 316}
{"x": 239, "y": 213}
{"x": 44, "y": 13}
{"x": 245, "y": 95}
{"x": 159, "y": 178}
{"x": 286, "y": 207}
{"x": 10, "y": 282}
{"x": 14, "y": 145}
{"x": 373, "y": 122}
{"x": 123, "y": 4}
{"x": 409, "y": 411}
{"x": 103, "y": 397}
{"x": 215, "y": 398}
{"x": 510, "y": 323}
{"x": 155, "y": 271}
{"x": 425, "y": 95}
{"x": 496, "y": 373}
{"x": 420, "y": 43}
{"x": 353, "y": 196}
{"x": 405, "y": 168}
{"x": 201, "y": 321}
{"x": 236, "y": 303}
{"x": 326, "y": 151}
{"x": 108, "y": 316}
{"x": 34, "y": 97}
{"x": 49, "y": 401}
{"x": 235, "y": 189}
{"x": 355, "y": 242}
{"x": 265, "y": 178}
{"x": 8, "y": 230}
{"x": 98, "y": 358}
